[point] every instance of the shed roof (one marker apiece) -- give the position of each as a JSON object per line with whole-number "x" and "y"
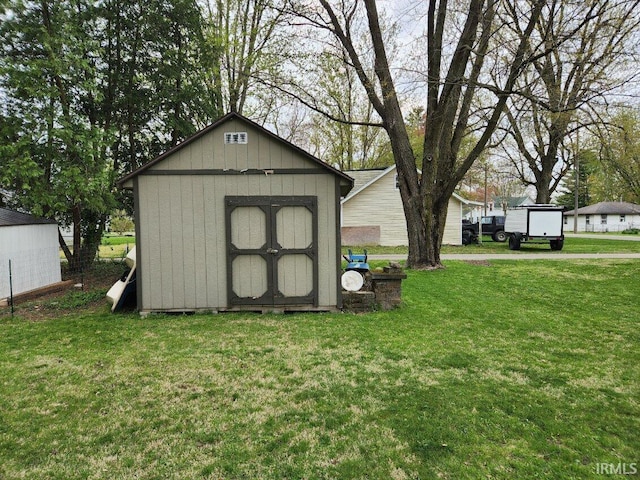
{"x": 9, "y": 218}
{"x": 608, "y": 208}
{"x": 347, "y": 183}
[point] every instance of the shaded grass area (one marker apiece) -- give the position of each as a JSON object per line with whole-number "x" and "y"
{"x": 500, "y": 370}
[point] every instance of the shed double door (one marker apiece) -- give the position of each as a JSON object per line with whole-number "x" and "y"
{"x": 272, "y": 252}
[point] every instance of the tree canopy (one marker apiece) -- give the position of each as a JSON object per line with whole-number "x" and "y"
{"x": 587, "y": 53}
{"x": 92, "y": 89}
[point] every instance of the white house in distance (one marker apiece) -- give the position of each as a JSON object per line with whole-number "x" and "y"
{"x": 497, "y": 205}
{"x": 372, "y": 213}
{"x": 605, "y": 217}
{"x": 31, "y": 244}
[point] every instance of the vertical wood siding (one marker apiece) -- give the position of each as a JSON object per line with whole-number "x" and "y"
{"x": 210, "y": 151}
{"x": 182, "y": 254}
{"x": 453, "y": 224}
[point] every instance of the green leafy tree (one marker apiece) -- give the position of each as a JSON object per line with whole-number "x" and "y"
{"x": 587, "y": 169}
{"x": 121, "y": 222}
{"x": 245, "y": 48}
{"x": 346, "y": 138}
{"x": 94, "y": 89}
{"x": 619, "y": 155}
{"x": 58, "y": 168}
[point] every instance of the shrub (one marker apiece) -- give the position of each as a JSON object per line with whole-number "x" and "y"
{"x": 121, "y": 223}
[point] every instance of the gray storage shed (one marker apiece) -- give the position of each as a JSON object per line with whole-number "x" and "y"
{"x": 236, "y": 218}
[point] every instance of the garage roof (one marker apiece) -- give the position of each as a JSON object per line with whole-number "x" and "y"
{"x": 10, "y": 218}
{"x": 608, "y": 208}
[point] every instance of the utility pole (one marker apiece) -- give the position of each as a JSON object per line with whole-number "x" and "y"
{"x": 577, "y": 186}
{"x": 486, "y": 167}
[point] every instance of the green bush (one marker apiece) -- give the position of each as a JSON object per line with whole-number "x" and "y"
{"x": 121, "y": 223}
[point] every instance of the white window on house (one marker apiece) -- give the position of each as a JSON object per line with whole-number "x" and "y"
{"x": 566, "y": 220}
{"x": 603, "y": 219}
{"x": 235, "y": 138}
{"x": 623, "y": 218}
{"x": 587, "y": 219}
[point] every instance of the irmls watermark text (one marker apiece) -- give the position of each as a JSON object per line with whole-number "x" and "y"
{"x": 616, "y": 468}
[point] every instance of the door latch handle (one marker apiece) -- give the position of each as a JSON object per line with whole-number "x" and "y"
{"x": 272, "y": 250}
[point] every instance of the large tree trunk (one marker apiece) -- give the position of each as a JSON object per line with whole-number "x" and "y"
{"x": 543, "y": 185}
{"x": 83, "y": 252}
{"x": 546, "y": 181}
{"x": 410, "y": 191}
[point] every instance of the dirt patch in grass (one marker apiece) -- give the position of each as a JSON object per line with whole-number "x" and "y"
{"x": 87, "y": 293}
{"x": 481, "y": 263}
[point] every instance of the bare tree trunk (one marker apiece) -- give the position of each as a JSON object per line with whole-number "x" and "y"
{"x": 586, "y": 46}
{"x": 449, "y": 97}
{"x": 412, "y": 200}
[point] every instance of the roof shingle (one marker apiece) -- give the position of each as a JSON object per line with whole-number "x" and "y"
{"x": 10, "y": 218}
{"x": 608, "y": 208}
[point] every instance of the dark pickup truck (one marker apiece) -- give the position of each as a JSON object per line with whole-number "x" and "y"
{"x": 491, "y": 225}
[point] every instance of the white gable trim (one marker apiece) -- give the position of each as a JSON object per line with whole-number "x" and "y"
{"x": 353, "y": 193}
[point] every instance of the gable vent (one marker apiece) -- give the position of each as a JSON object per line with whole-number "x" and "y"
{"x": 235, "y": 137}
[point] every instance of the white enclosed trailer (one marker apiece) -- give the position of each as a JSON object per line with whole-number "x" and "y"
{"x": 538, "y": 223}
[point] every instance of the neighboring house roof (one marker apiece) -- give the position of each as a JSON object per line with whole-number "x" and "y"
{"x": 236, "y": 116}
{"x": 4, "y": 195}
{"x": 608, "y": 208}
{"x": 513, "y": 201}
{"x": 9, "y": 218}
{"x": 363, "y": 179}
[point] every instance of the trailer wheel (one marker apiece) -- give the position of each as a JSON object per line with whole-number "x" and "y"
{"x": 556, "y": 245}
{"x": 499, "y": 236}
{"x": 514, "y": 241}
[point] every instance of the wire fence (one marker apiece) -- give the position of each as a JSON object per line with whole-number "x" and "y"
{"x": 25, "y": 270}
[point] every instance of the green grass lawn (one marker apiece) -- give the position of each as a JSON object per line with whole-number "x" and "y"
{"x": 114, "y": 246}
{"x": 113, "y": 239}
{"x": 497, "y": 370}
{"x": 571, "y": 245}
{"x": 117, "y": 247}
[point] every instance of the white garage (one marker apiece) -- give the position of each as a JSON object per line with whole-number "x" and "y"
{"x": 30, "y": 244}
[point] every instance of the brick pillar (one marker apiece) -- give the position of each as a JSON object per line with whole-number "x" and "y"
{"x": 387, "y": 287}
